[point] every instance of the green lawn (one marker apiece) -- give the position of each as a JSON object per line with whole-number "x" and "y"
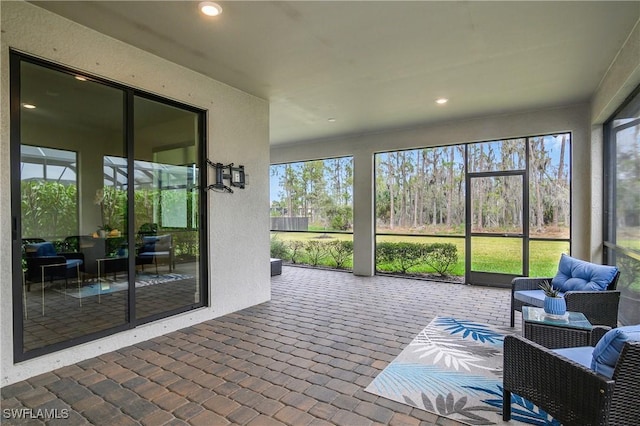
{"x": 490, "y": 254}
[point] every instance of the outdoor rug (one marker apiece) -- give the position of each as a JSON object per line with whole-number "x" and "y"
{"x": 108, "y": 285}
{"x": 453, "y": 368}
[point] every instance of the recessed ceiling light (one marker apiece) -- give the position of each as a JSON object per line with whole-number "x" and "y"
{"x": 210, "y": 8}
{"x": 81, "y": 78}
{"x": 441, "y": 101}
{"x": 29, "y": 106}
{"x": 331, "y": 120}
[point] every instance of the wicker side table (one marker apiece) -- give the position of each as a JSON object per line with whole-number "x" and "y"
{"x": 572, "y": 331}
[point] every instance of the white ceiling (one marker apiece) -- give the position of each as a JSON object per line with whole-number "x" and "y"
{"x": 375, "y": 65}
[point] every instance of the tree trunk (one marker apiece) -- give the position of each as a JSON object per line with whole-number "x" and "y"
{"x": 559, "y": 182}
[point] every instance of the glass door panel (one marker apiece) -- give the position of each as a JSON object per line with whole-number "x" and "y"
{"x": 167, "y": 202}
{"x": 70, "y": 214}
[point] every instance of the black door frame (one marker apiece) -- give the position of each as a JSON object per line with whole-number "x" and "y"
{"x": 496, "y": 279}
{"x": 15, "y": 60}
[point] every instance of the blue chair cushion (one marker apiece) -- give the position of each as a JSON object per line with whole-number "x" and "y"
{"x": 578, "y": 275}
{"x": 148, "y": 244}
{"x": 531, "y": 297}
{"x": 156, "y": 244}
{"x": 42, "y": 249}
{"x": 71, "y": 263}
{"x": 607, "y": 351}
{"x": 582, "y": 354}
{"x": 47, "y": 250}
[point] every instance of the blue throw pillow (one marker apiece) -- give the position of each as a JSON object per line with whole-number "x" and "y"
{"x": 44, "y": 249}
{"x": 149, "y": 244}
{"x": 607, "y": 351}
{"x": 578, "y": 275}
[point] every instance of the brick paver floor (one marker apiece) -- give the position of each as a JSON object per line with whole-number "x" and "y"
{"x": 303, "y": 358}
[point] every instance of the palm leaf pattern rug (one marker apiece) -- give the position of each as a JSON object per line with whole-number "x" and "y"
{"x": 454, "y": 368}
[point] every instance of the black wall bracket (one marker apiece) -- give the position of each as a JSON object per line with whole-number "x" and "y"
{"x": 222, "y": 172}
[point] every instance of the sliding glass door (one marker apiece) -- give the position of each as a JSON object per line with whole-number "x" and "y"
{"x": 106, "y": 207}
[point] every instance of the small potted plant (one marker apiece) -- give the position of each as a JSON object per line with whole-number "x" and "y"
{"x": 554, "y": 303}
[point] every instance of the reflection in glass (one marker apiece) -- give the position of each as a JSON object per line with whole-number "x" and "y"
{"x": 76, "y": 179}
{"x": 71, "y": 220}
{"x": 49, "y": 192}
{"x": 166, "y": 206}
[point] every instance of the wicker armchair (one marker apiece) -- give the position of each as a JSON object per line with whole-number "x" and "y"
{"x": 600, "y": 307}
{"x": 571, "y": 393}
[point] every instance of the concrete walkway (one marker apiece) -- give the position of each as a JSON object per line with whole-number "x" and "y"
{"x": 302, "y": 358}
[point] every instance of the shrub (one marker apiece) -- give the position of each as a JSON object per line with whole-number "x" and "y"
{"x": 295, "y": 250}
{"x": 630, "y": 269}
{"x": 58, "y": 245}
{"x": 402, "y": 255}
{"x": 278, "y": 248}
{"x": 185, "y": 243}
{"x": 340, "y": 217}
{"x": 442, "y": 257}
{"x": 340, "y": 251}
{"x": 316, "y": 251}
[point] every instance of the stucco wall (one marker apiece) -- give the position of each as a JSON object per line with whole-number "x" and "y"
{"x": 237, "y": 131}
{"x": 622, "y": 77}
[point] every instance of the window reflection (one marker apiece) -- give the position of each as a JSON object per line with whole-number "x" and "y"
{"x": 167, "y": 199}
{"x": 66, "y": 209}
{"x": 80, "y": 264}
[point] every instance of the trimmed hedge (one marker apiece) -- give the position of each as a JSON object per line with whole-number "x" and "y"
{"x": 340, "y": 251}
{"x": 398, "y": 257}
{"x": 402, "y": 256}
{"x": 278, "y": 248}
{"x": 316, "y": 251}
{"x": 442, "y": 257}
